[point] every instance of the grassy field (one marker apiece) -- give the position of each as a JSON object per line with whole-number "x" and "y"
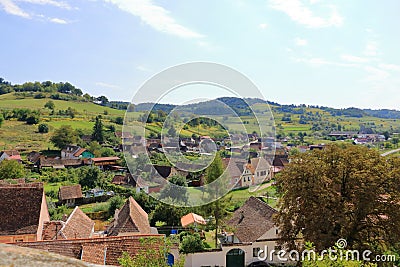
{"x": 9, "y": 101}
{"x": 238, "y": 196}
{"x": 19, "y": 135}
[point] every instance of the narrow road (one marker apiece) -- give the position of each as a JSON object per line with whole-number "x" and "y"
{"x": 390, "y": 152}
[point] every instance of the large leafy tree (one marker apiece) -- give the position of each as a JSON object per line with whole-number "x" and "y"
{"x": 217, "y": 208}
{"x": 63, "y": 136}
{"x": 177, "y": 193}
{"x": 11, "y": 169}
{"x": 91, "y": 177}
{"x": 346, "y": 192}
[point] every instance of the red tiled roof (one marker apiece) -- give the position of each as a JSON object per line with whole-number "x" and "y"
{"x": 20, "y": 207}
{"x": 70, "y": 192}
{"x": 119, "y": 179}
{"x": 191, "y": 218}
{"x": 78, "y": 225}
{"x": 130, "y": 219}
{"x": 105, "y": 159}
{"x": 15, "y": 157}
{"x": 252, "y": 220}
{"x": 51, "y": 230}
{"x": 106, "y": 250}
{"x": 79, "y": 152}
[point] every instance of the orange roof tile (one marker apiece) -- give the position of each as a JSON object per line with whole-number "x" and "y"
{"x": 191, "y": 218}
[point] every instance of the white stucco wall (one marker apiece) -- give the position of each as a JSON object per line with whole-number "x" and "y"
{"x": 218, "y": 258}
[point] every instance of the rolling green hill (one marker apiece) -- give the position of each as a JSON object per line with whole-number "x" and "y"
{"x": 290, "y": 120}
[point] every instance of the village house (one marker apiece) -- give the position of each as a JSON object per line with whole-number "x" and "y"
{"x": 57, "y": 163}
{"x": 254, "y": 230}
{"x": 128, "y": 180}
{"x": 10, "y": 155}
{"x": 76, "y": 152}
{"x": 343, "y": 134}
{"x": 235, "y": 170}
{"x": 103, "y": 162}
{"x": 78, "y": 225}
{"x": 23, "y": 211}
{"x": 69, "y": 195}
{"x": 131, "y": 219}
{"x": 247, "y": 175}
{"x": 33, "y": 156}
{"x": 101, "y": 251}
{"x": 242, "y": 174}
{"x": 261, "y": 170}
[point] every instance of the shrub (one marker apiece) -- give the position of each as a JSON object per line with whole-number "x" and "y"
{"x": 43, "y": 128}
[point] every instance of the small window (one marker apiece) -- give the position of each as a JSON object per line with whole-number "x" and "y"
{"x": 244, "y": 179}
{"x": 248, "y": 179}
{"x": 255, "y": 252}
{"x": 276, "y": 231}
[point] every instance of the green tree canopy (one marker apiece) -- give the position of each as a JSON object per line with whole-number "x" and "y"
{"x": 176, "y": 193}
{"x": 11, "y": 169}
{"x": 50, "y": 105}
{"x": 348, "y": 192}
{"x": 91, "y": 177}
{"x": 191, "y": 243}
{"x": 98, "y": 134}
{"x": 43, "y": 128}
{"x": 218, "y": 208}
{"x": 63, "y": 136}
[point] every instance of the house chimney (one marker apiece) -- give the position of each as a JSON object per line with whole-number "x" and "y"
{"x": 64, "y": 217}
{"x": 116, "y": 213}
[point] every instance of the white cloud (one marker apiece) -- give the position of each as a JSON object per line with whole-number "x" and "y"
{"x": 302, "y": 14}
{"x": 317, "y": 62}
{"x": 48, "y": 2}
{"x": 142, "y": 68}
{"x": 262, "y": 26}
{"x": 11, "y": 8}
{"x": 354, "y": 59}
{"x": 58, "y": 21}
{"x": 375, "y": 74}
{"x": 300, "y": 42}
{"x": 155, "y": 16}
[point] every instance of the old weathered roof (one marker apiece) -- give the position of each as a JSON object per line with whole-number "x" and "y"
{"x": 130, "y": 219}
{"x": 234, "y": 166}
{"x": 20, "y": 207}
{"x": 79, "y": 152}
{"x": 11, "y": 152}
{"x": 105, "y": 250}
{"x": 259, "y": 163}
{"x": 51, "y": 230}
{"x": 78, "y": 225}
{"x": 70, "y": 192}
{"x": 51, "y": 162}
{"x": 252, "y": 220}
{"x": 105, "y": 159}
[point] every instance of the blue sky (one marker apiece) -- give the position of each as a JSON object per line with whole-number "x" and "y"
{"x": 332, "y": 53}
